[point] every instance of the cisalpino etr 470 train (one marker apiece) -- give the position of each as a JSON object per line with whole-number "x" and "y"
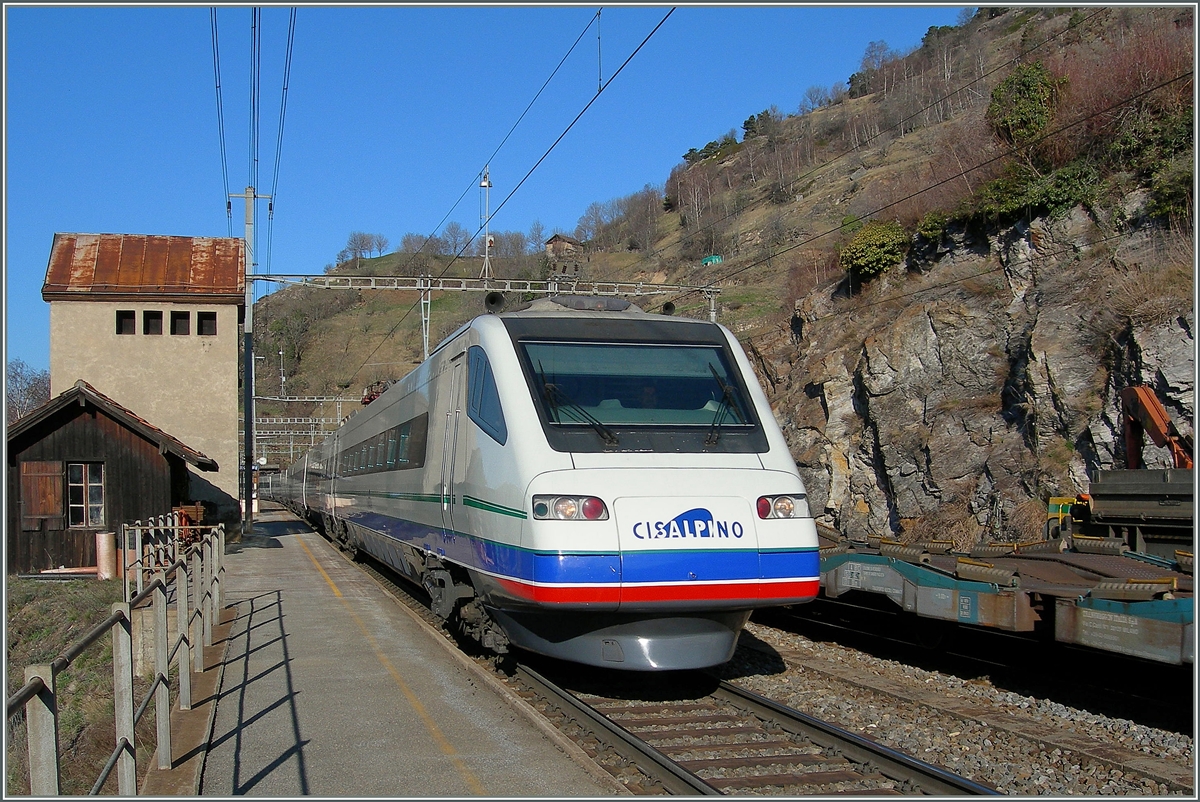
{"x": 577, "y": 478}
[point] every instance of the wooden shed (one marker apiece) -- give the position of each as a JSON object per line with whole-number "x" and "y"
{"x": 81, "y": 464}
{"x": 560, "y": 246}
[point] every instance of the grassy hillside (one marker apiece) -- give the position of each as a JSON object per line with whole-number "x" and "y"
{"x": 1019, "y": 113}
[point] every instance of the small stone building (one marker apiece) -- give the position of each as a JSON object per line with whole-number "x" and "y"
{"x": 81, "y": 464}
{"x": 152, "y": 322}
{"x": 565, "y": 254}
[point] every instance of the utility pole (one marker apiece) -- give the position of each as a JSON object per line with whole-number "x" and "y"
{"x": 486, "y": 186}
{"x": 248, "y": 368}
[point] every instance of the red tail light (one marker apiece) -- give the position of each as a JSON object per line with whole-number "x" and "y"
{"x": 593, "y": 509}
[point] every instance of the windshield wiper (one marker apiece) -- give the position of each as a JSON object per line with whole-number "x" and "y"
{"x": 560, "y": 402}
{"x": 728, "y": 404}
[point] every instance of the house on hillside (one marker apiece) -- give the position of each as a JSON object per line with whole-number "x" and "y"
{"x": 560, "y": 247}
{"x": 81, "y": 464}
{"x": 565, "y": 255}
{"x": 152, "y": 322}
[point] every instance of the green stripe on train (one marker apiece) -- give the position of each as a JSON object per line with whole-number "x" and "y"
{"x": 488, "y": 506}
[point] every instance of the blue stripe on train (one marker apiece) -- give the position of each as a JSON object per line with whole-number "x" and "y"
{"x": 599, "y": 568}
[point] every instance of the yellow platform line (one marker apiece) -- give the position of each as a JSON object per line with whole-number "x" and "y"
{"x": 442, "y": 742}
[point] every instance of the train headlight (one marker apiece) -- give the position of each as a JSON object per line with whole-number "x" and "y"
{"x": 569, "y": 508}
{"x": 780, "y": 506}
{"x": 566, "y": 509}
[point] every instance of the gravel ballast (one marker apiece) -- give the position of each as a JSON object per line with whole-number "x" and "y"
{"x": 1017, "y": 744}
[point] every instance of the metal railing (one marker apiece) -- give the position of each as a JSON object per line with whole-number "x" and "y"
{"x": 195, "y": 568}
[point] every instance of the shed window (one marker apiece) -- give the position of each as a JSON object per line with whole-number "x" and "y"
{"x": 152, "y": 322}
{"x": 181, "y": 322}
{"x": 85, "y": 494}
{"x": 126, "y": 321}
{"x": 206, "y": 324}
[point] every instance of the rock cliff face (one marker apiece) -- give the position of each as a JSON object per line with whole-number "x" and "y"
{"x": 952, "y": 396}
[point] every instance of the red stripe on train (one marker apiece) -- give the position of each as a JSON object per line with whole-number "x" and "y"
{"x": 792, "y": 591}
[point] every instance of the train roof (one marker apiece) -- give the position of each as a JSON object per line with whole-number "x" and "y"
{"x": 572, "y": 305}
{"x": 567, "y": 307}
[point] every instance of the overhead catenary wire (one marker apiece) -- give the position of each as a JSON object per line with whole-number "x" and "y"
{"x": 565, "y": 131}
{"x": 255, "y": 87}
{"x": 287, "y": 71}
{"x": 898, "y": 125}
{"x": 221, "y": 117}
{"x": 475, "y": 181}
{"x": 571, "y": 125}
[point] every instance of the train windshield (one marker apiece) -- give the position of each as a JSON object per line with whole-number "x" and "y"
{"x": 610, "y": 386}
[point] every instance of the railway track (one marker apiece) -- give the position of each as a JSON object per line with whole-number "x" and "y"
{"x": 710, "y": 738}
{"x": 1149, "y": 693}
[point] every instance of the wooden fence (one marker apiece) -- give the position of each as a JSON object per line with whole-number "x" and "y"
{"x": 167, "y": 555}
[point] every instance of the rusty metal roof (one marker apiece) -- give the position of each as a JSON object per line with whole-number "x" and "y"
{"x": 94, "y": 266}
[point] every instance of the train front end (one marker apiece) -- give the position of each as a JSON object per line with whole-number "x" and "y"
{"x": 680, "y": 509}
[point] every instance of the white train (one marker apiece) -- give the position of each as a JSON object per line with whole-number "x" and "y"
{"x": 577, "y": 478}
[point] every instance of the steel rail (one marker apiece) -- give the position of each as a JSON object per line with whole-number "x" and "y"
{"x": 890, "y": 762}
{"x": 674, "y": 778}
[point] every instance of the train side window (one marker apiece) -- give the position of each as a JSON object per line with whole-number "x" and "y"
{"x": 412, "y": 438}
{"x": 391, "y": 452}
{"x": 402, "y": 457}
{"x": 483, "y": 400}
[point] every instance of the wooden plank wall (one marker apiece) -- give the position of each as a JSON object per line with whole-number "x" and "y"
{"x": 137, "y": 485}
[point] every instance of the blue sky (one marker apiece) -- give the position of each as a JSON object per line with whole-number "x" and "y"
{"x": 111, "y": 122}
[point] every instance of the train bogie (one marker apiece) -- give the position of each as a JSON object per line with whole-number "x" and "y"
{"x": 608, "y": 487}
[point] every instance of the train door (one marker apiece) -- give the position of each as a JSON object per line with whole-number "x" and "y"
{"x": 329, "y": 487}
{"x": 454, "y": 442}
{"x": 303, "y": 484}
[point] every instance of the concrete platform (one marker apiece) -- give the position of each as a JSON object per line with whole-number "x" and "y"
{"x": 323, "y": 685}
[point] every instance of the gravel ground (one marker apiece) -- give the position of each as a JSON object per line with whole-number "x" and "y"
{"x": 1012, "y": 763}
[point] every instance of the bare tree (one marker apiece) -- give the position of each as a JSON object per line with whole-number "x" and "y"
{"x": 379, "y": 244}
{"x": 358, "y": 245}
{"x": 26, "y": 389}
{"x": 814, "y": 98}
{"x": 537, "y": 235}
{"x": 455, "y": 236}
{"x": 412, "y": 243}
{"x": 436, "y": 246}
{"x": 509, "y": 244}
{"x": 875, "y": 55}
{"x": 593, "y": 219}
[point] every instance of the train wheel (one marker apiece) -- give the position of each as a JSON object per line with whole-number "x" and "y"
{"x": 931, "y": 633}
